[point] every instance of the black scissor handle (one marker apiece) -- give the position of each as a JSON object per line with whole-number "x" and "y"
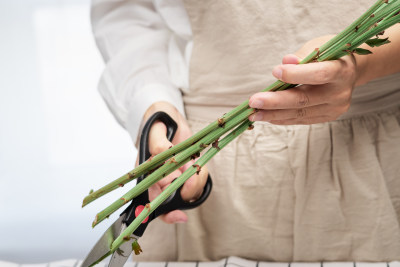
{"x": 172, "y": 127}
{"x": 175, "y": 201}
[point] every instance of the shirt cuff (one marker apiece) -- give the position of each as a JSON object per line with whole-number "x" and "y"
{"x": 144, "y": 98}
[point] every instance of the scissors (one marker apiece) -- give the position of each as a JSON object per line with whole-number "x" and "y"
{"x": 102, "y": 248}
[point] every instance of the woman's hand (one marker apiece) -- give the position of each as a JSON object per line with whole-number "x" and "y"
{"x": 324, "y": 94}
{"x": 158, "y": 142}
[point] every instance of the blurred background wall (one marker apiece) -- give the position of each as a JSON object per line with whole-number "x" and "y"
{"x": 57, "y": 138}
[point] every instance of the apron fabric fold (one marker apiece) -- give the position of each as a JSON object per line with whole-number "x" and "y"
{"x": 322, "y": 192}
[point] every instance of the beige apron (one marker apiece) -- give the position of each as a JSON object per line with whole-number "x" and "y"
{"x": 323, "y": 192}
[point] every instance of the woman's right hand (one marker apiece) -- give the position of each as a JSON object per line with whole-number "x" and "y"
{"x": 158, "y": 142}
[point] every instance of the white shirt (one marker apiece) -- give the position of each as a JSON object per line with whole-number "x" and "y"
{"x": 146, "y": 45}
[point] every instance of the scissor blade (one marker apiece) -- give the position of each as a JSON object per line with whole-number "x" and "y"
{"x": 121, "y": 255}
{"x": 102, "y": 248}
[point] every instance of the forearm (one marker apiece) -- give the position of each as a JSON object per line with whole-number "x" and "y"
{"x": 384, "y": 61}
{"x": 133, "y": 38}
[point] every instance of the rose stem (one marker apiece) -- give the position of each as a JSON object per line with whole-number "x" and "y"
{"x": 149, "y": 208}
{"x": 171, "y": 165}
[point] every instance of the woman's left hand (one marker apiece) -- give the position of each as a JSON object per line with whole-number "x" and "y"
{"x": 324, "y": 94}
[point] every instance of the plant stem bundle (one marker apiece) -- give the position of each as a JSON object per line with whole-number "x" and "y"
{"x": 366, "y": 29}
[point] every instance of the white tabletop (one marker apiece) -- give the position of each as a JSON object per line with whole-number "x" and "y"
{"x": 229, "y": 262}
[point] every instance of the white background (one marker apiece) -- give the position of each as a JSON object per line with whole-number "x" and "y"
{"x": 57, "y": 138}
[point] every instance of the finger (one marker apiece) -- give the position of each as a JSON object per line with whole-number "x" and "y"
{"x": 158, "y": 141}
{"x": 311, "y": 73}
{"x": 194, "y": 186}
{"x": 176, "y": 216}
{"x": 299, "y": 97}
{"x": 303, "y": 121}
{"x": 154, "y": 191}
{"x": 286, "y": 114}
{"x": 291, "y": 59}
{"x": 167, "y": 180}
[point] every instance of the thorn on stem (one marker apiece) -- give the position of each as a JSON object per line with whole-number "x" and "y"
{"x": 198, "y": 168}
{"x": 127, "y": 238}
{"x": 317, "y": 55}
{"x": 203, "y": 145}
{"x": 147, "y": 206}
{"x": 221, "y": 122}
{"x": 215, "y": 145}
{"x": 194, "y": 156}
{"x": 172, "y": 160}
{"x": 379, "y": 33}
{"x": 130, "y": 175}
{"x": 121, "y": 185}
{"x": 251, "y": 127}
{"x": 124, "y": 200}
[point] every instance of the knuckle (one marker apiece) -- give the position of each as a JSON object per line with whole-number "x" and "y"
{"x": 302, "y": 99}
{"x": 270, "y": 115}
{"x": 301, "y": 113}
{"x": 347, "y": 94}
{"x": 273, "y": 103}
{"x": 157, "y": 149}
{"x": 284, "y": 75}
{"x": 323, "y": 75}
{"x": 347, "y": 70}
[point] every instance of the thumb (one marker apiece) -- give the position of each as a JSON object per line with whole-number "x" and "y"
{"x": 158, "y": 141}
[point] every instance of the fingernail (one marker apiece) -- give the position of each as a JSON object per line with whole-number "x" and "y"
{"x": 257, "y": 117}
{"x": 256, "y": 104}
{"x": 277, "y": 72}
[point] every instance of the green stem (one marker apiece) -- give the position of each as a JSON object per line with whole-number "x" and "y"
{"x": 171, "y": 165}
{"x": 366, "y": 36}
{"x": 352, "y": 28}
{"x": 149, "y": 208}
{"x": 139, "y": 188}
{"x": 160, "y": 158}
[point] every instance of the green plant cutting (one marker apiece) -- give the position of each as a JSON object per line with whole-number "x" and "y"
{"x": 367, "y": 29}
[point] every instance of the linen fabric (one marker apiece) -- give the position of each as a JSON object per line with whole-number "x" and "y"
{"x": 323, "y": 192}
{"x": 147, "y": 46}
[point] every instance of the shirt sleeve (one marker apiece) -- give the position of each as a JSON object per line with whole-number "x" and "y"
{"x": 133, "y": 40}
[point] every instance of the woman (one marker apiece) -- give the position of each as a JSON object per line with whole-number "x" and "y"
{"x": 319, "y": 182}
